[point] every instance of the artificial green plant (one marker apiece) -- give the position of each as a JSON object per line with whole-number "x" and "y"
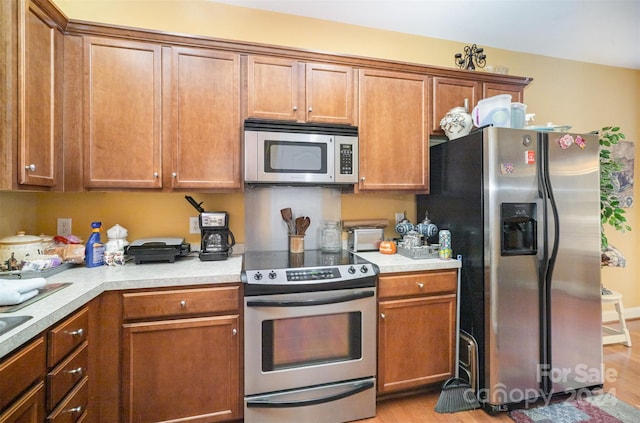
{"x": 610, "y": 211}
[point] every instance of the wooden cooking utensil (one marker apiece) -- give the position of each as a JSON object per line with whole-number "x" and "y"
{"x": 302, "y": 224}
{"x": 287, "y": 216}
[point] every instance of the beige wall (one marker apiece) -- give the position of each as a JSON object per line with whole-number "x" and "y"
{"x": 583, "y": 95}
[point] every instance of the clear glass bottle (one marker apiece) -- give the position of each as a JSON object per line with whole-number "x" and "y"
{"x": 331, "y": 237}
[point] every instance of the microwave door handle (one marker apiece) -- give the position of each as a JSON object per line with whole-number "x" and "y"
{"x": 310, "y": 302}
{"x": 266, "y": 403}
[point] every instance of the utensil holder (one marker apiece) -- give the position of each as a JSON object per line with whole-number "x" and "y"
{"x": 296, "y": 244}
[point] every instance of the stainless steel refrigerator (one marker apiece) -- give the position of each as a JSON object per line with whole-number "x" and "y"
{"x": 523, "y": 210}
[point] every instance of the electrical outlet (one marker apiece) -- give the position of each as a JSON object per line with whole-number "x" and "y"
{"x": 399, "y": 217}
{"x": 194, "y": 225}
{"x": 64, "y": 226}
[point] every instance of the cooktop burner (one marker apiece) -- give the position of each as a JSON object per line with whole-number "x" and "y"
{"x": 270, "y": 271}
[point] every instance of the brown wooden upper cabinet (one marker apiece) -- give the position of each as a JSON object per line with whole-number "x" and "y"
{"x": 287, "y": 89}
{"x": 489, "y": 89}
{"x": 202, "y": 119}
{"x": 40, "y": 79}
{"x": 393, "y": 131}
{"x": 448, "y": 93}
{"x": 122, "y": 113}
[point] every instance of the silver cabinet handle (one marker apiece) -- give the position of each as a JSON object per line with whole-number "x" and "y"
{"x": 30, "y": 167}
{"x": 77, "y": 409}
{"x": 362, "y": 179}
{"x": 174, "y": 175}
{"x": 295, "y": 108}
{"x": 420, "y": 285}
{"x": 79, "y": 332}
{"x": 183, "y": 304}
{"x": 234, "y": 331}
{"x": 383, "y": 316}
{"x": 310, "y": 109}
{"x": 156, "y": 174}
{"x": 78, "y": 371}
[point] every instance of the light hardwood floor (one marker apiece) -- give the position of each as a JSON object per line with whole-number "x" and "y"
{"x": 623, "y": 363}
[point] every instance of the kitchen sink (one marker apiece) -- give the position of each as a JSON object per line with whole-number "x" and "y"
{"x": 10, "y": 322}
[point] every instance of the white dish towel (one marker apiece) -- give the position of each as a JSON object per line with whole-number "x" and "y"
{"x": 16, "y": 291}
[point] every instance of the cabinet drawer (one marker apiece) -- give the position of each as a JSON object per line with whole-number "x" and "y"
{"x": 182, "y": 302}
{"x": 67, "y": 336}
{"x": 74, "y": 407}
{"x": 21, "y": 371}
{"x": 61, "y": 379}
{"x": 407, "y": 284}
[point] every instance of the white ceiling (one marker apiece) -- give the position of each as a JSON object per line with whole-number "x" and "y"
{"x": 594, "y": 31}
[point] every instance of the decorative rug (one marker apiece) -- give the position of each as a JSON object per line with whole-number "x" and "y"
{"x": 604, "y": 408}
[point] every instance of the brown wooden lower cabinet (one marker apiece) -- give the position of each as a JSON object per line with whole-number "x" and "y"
{"x": 29, "y": 408}
{"x": 416, "y": 329}
{"x": 181, "y": 365}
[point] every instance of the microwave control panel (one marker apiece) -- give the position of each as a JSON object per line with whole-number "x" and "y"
{"x": 346, "y": 159}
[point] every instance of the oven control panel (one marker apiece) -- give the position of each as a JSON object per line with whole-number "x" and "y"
{"x": 310, "y": 275}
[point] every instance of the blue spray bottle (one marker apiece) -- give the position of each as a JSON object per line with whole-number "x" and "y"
{"x": 94, "y": 253}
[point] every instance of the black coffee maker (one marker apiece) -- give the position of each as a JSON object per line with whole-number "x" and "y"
{"x": 216, "y": 240}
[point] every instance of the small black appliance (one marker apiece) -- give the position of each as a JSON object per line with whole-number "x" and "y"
{"x": 216, "y": 240}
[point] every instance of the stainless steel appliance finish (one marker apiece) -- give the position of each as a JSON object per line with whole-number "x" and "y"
{"x": 523, "y": 210}
{"x": 310, "y": 337}
{"x": 364, "y": 239}
{"x": 278, "y": 152}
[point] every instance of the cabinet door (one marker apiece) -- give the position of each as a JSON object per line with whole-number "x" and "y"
{"x": 393, "y": 140}
{"x": 40, "y": 98}
{"x": 273, "y": 87}
{"x": 28, "y": 409}
{"x": 204, "y": 114}
{"x": 179, "y": 370}
{"x": 329, "y": 93}
{"x": 489, "y": 89}
{"x": 416, "y": 339}
{"x": 122, "y": 114}
{"x": 449, "y": 93}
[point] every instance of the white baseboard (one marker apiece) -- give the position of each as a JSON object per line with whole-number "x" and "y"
{"x": 629, "y": 313}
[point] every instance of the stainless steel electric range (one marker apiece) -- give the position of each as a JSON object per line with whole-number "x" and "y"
{"x": 310, "y": 337}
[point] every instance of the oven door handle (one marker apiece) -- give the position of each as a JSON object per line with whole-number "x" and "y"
{"x": 267, "y": 403}
{"x": 311, "y": 301}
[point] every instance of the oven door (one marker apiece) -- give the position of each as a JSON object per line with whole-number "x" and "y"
{"x": 311, "y": 338}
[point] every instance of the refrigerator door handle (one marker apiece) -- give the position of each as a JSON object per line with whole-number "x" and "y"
{"x": 548, "y": 265}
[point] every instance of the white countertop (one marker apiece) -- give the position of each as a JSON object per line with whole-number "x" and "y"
{"x": 393, "y": 263}
{"x": 88, "y": 283}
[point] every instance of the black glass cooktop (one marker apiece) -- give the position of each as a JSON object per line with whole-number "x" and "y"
{"x": 279, "y": 271}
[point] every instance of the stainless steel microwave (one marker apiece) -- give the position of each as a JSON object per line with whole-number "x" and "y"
{"x": 300, "y": 153}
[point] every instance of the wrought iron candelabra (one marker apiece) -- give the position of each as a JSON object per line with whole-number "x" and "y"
{"x": 473, "y": 56}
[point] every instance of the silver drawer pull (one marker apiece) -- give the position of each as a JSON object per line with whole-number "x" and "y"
{"x": 420, "y": 285}
{"x": 77, "y": 409}
{"x": 234, "y": 331}
{"x": 183, "y": 304}
{"x": 77, "y": 371}
{"x": 79, "y": 332}
{"x": 382, "y": 316}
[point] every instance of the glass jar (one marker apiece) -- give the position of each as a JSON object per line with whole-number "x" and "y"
{"x": 331, "y": 237}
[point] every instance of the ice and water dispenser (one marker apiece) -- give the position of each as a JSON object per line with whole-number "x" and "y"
{"x": 519, "y": 229}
